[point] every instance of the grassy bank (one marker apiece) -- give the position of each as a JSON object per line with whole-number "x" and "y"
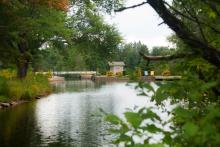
{"x": 13, "y": 89}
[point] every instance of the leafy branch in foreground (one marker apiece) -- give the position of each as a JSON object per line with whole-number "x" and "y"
{"x": 192, "y": 119}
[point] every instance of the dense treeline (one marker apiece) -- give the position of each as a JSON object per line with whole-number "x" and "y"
{"x": 26, "y": 26}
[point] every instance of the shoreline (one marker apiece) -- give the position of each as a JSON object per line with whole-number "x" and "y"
{"x": 13, "y": 103}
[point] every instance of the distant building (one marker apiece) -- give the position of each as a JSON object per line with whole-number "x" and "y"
{"x": 116, "y": 66}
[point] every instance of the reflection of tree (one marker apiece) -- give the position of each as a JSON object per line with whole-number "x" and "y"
{"x": 17, "y": 125}
{"x": 76, "y": 86}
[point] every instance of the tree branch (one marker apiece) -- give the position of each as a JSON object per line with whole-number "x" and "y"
{"x": 192, "y": 18}
{"x": 130, "y": 7}
{"x": 167, "y": 57}
{"x": 197, "y": 21}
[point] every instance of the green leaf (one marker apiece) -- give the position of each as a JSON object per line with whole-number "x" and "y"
{"x": 156, "y": 145}
{"x": 133, "y": 118}
{"x": 152, "y": 128}
{"x": 113, "y": 119}
{"x": 190, "y": 129}
{"x": 151, "y": 115}
{"x": 149, "y": 87}
{"x": 182, "y": 114}
{"x": 212, "y": 14}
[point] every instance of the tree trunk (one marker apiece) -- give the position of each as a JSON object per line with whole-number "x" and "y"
{"x": 24, "y": 57}
{"x": 22, "y": 68}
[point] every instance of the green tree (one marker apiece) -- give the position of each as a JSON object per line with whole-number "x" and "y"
{"x": 129, "y": 53}
{"x": 96, "y": 40}
{"x": 162, "y": 51}
{"x": 25, "y": 26}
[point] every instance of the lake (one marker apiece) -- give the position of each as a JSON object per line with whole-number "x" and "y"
{"x": 70, "y": 116}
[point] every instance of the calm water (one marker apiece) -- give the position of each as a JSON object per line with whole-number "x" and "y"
{"x": 70, "y": 117}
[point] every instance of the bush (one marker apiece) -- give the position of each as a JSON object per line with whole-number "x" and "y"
{"x": 49, "y": 74}
{"x": 109, "y": 74}
{"x": 119, "y": 74}
{"x": 2, "y": 85}
{"x": 7, "y": 73}
{"x": 166, "y": 73}
{"x": 27, "y": 89}
{"x": 138, "y": 72}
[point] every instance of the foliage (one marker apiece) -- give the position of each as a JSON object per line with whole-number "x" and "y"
{"x": 27, "y": 89}
{"x": 49, "y": 74}
{"x": 161, "y": 51}
{"x": 166, "y": 73}
{"x": 26, "y": 26}
{"x": 7, "y": 73}
{"x": 109, "y": 74}
{"x": 194, "y": 119}
{"x": 96, "y": 40}
{"x": 138, "y": 72}
{"x": 129, "y": 54}
{"x": 119, "y": 74}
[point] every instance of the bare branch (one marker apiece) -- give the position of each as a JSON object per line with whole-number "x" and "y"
{"x": 130, "y": 7}
{"x": 161, "y": 23}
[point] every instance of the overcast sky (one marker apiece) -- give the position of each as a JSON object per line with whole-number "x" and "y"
{"x": 141, "y": 24}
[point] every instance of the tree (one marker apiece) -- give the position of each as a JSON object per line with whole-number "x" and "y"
{"x": 129, "y": 53}
{"x": 175, "y": 19}
{"x": 96, "y": 40}
{"x": 25, "y": 26}
{"x": 161, "y": 51}
{"x": 195, "y": 117}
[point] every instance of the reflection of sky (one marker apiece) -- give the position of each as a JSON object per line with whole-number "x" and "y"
{"x": 72, "y": 117}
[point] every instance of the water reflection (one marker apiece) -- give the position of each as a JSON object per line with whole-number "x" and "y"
{"x": 70, "y": 117}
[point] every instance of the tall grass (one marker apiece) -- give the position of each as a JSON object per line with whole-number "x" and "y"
{"x": 26, "y": 89}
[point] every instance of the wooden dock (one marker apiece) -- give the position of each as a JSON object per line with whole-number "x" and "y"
{"x": 143, "y": 78}
{"x": 110, "y": 79}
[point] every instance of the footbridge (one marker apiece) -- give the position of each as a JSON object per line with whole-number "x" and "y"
{"x": 81, "y": 74}
{"x": 74, "y": 72}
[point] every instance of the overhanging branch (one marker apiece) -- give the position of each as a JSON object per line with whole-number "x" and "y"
{"x": 166, "y": 57}
{"x": 130, "y": 7}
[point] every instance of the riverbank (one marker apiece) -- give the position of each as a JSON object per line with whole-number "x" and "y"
{"x": 15, "y": 91}
{"x": 11, "y": 103}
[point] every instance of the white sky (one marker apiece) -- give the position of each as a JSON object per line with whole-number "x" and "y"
{"x": 141, "y": 24}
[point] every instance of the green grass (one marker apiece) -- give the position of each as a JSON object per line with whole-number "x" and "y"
{"x": 4, "y": 98}
{"x": 26, "y": 89}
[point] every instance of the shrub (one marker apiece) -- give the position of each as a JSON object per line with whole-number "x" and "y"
{"x": 29, "y": 88}
{"x": 166, "y": 73}
{"x": 109, "y": 74}
{"x": 138, "y": 72}
{"x": 2, "y": 85}
{"x": 7, "y": 73}
{"x": 119, "y": 74}
{"x": 49, "y": 74}
{"x": 14, "y": 89}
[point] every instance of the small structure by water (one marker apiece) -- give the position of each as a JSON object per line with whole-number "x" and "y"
{"x": 116, "y": 67}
